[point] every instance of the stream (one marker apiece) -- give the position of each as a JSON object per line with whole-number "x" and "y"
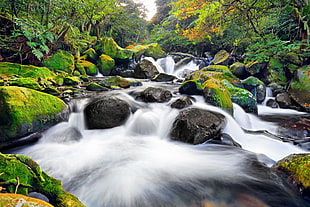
{"x": 138, "y": 165}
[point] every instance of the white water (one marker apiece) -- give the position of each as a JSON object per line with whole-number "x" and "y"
{"x": 138, "y": 165}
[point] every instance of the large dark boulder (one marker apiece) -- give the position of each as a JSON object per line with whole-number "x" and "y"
{"x": 182, "y": 102}
{"x": 145, "y": 69}
{"x": 152, "y": 94}
{"x": 256, "y": 87}
{"x": 196, "y": 126}
{"x": 106, "y": 112}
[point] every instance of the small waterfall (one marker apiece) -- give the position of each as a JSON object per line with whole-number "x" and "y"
{"x": 167, "y": 64}
{"x": 137, "y": 165}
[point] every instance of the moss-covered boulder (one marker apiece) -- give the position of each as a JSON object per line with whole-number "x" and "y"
{"x": 80, "y": 69}
{"x": 145, "y": 69}
{"x": 95, "y": 87}
{"x": 254, "y": 67}
{"x": 191, "y": 87}
{"x": 91, "y": 55}
{"x": 24, "y": 111}
{"x": 114, "y": 81}
{"x": 151, "y": 50}
{"x": 12, "y": 199}
{"x": 163, "y": 77}
{"x": 105, "y": 64}
{"x": 61, "y": 61}
{"x": 27, "y": 83}
{"x": 276, "y": 72}
{"x": 51, "y": 90}
{"x": 89, "y": 67}
{"x": 217, "y": 94}
{"x": 295, "y": 169}
{"x": 239, "y": 70}
{"x": 256, "y": 87}
{"x": 108, "y": 46}
{"x": 22, "y": 174}
{"x": 299, "y": 90}
{"x": 221, "y": 58}
{"x": 12, "y": 69}
{"x": 71, "y": 81}
{"x": 242, "y": 97}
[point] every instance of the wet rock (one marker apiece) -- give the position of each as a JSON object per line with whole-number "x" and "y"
{"x": 256, "y": 87}
{"x": 114, "y": 81}
{"x": 238, "y": 69}
{"x": 196, "y": 126}
{"x": 152, "y": 94}
{"x": 145, "y": 69}
{"x": 295, "y": 169}
{"x": 224, "y": 139}
{"x": 222, "y": 58}
{"x": 182, "y": 102}
{"x": 95, "y": 87}
{"x": 163, "y": 77}
{"x": 272, "y": 103}
{"x": 191, "y": 87}
{"x": 106, "y": 112}
{"x": 283, "y": 100}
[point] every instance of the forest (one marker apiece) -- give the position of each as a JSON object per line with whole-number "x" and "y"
{"x": 33, "y": 30}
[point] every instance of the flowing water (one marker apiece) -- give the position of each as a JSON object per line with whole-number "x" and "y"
{"x": 138, "y": 165}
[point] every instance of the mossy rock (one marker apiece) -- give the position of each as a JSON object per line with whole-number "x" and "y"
{"x": 239, "y": 70}
{"x": 221, "y": 58}
{"x": 276, "y": 71}
{"x": 295, "y": 168}
{"x": 19, "y": 172}
{"x": 95, "y": 87}
{"x": 105, "y": 64}
{"x": 242, "y": 97}
{"x": 12, "y": 199}
{"x": 191, "y": 87}
{"x": 108, "y": 46}
{"x": 217, "y": 94}
{"x": 25, "y": 111}
{"x": 61, "y": 61}
{"x": 115, "y": 81}
{"x": 26, "y": 71}
{"x": 80, "y": 68}
{"x": 90, "y": 68}
{"x": 52, "y": 91}
{"x": 27, "y": 83}
{"x": 254, "y": 67}
{"x": 151, "y": 50}
{"x": 256, "y": 87}
{"x": 91, "y": 55}
{"x": 2, "y": 83}
{"x": 71, "y": 81}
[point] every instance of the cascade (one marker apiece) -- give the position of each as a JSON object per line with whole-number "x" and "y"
{"x": 137, "y": 165}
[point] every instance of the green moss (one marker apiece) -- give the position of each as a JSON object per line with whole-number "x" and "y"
{"x": 298, "y": 165}
{"x": 276, "y": 71}
{"x": 52, "y": 91}
{"x": 221, "y": 57}
{"x": 252, "y": 81}
{"x": 71, "y": 81}
{"x": 25, "y": 171}
{"x": 151, "y": 50}
{"x": 10, "y": 69}
{"x": 105, "y": 64}
{"x": 191, "y": 87}
{"x": 115, "y": 81}
{"x": 96, "y": 87}
{"x": 108, "y": 46}
{"x": 61, "y": 61}
{"x": 27, "y": 83}
{"x": 91, "y": 55}
{"x": 253, "y": 67}
{"x": 217, "y": 94}
{"x": 21, "y": 107}
{"x": 90, "y": 68}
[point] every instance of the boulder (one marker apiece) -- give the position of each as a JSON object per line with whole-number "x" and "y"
{"x": 256, "y": 87}
{"x": 152, "y": 94}
{"x": 26, "y": 71}
{"x": 106, "y": 112}
{"x": 115, "y": 82}
{"x": 89, "y": 67}
{"x": 27, "y": 83}
{"x": 283, "y": 100}
{"x": 95, "y": 87}
{"x": 191, "y": 87}
{"x": 295, "y": 169}
{"x": 222, "y": 58}
{"x": 163, "y": 77}
{"x": 108, "y": 46}
{"x": 275, "y": 72}
{"x": 216, "y": 93}
{"x": 23, "y": 174}
{"x": 105, "y": 64}
{"x": 239, "y": 70}
{"x": 91, "y": 55}
{"x": 71, "y": 81}
{"x": 254, "y": 67}
{"x": 182, "y": 102}
{"x": 153, "y": 50}
{"x": 195, "y": 126}
{"x": 145, "y": 69}
{"x": 24, "y": 111}
{"x": 61, "y": 61}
